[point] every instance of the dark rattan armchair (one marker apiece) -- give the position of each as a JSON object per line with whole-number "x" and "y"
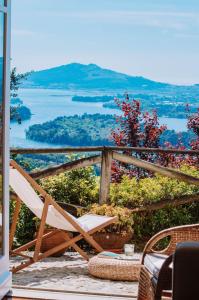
{"x": 156, "y": 272}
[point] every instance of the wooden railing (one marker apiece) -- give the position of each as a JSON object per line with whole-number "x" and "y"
{"x": 104, "y": 156}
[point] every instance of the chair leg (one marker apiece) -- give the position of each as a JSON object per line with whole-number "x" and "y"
{"x": 76, "y": 247}
{"x": 69, "y": 243}
{"x": 14, "y": 223}
{"x": 23, "y": 266}
{"x": 93, "y": 243}
{"x": 81, "y": 252}
{"x": 158, "y": 294}
{"x": 41, "y": 230}
{"x": 145, "y": 290}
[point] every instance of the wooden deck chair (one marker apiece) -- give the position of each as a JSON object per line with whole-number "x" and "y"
{"x": 49, "y": 212}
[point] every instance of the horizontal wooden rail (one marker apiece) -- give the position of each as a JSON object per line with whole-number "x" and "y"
{"x": 154, "y": 150}
{"x": 185, "y": 199}
{"x": 99, "y": 149}
{"x": 79, "y": 163}
{"x": 156, "y": 168}
{"x": 55, "y": 150}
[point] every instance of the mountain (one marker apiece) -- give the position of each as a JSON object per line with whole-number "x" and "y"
{"x": 78, "y": 76}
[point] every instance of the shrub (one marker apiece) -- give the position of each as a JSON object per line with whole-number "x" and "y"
{"x": 147, "y": 224}
{"x": 133, "y": 193}
{"x": 77, "y": 187}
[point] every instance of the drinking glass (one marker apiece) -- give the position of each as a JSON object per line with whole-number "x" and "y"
{"x": 129, "y": 249}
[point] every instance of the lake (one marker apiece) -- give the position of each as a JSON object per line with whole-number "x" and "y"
{"x": 46, "y": 105}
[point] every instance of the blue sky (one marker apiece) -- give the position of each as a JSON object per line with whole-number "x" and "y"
{"x": 153, "y": 38}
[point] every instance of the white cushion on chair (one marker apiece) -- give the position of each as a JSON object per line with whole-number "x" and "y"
{"x": 153, "y": 262}
{"x": 91, "y": 221}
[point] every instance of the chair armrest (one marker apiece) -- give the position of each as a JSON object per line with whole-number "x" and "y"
{"x": 176, "y": 234}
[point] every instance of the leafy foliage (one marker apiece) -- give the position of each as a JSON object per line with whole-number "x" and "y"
{"x": 77, "y": 187}
{"x": 193, "y": 124}
{"x": 136, "y": 129}
{"x": 125, "y": 217}
{"x": 19, "y": 112}
{"x": 147, "y": 224}
{"x": 74, "y": 130}
{"x": 26, "y": 225}
{"x": 15, "y": 81}
{"x": 32, "y": 162}
{"x": 133, "y": 193}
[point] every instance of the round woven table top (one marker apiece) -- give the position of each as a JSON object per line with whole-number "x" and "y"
{"x": 114, "y": 269}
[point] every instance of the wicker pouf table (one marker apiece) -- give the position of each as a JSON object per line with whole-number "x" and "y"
{"x": 114, "y": 269}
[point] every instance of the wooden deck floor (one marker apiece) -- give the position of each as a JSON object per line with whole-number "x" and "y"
{"x": 69, "y": 273}
{"x": 36, "y": 294}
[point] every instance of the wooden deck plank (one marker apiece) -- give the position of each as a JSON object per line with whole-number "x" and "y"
{"x": 36, "y": 294}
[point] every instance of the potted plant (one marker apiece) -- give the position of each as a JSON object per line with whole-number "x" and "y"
{"x": 114, "y": 236}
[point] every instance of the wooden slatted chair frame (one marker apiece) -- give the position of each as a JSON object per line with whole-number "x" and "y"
{"x": 70, "y": 242}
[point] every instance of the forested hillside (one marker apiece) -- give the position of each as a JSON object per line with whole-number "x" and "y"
{"x": 89, "y": 130}
{"x": 86, "y": 130}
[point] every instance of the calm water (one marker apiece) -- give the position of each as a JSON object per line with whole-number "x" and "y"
{"x": 46, "y": 105}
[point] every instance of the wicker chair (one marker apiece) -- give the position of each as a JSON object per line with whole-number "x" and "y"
{"x": 153, "y": 288}
{"x": 186, "y": 271}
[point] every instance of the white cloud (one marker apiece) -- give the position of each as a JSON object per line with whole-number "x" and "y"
{"x": 23, "y": 33}
{"x": 158, "y": 19}
{"x": 187, "y": 35}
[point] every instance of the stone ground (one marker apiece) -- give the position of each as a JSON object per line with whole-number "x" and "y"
{"x": 69, "y": 273}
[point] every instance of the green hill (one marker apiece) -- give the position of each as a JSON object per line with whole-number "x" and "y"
{"x": 79, "y": 76}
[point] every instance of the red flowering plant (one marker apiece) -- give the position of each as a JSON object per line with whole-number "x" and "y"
{"x": 193, "y": 124}
{"x": 176, "y": 160}
{"x": 136, "y": 129}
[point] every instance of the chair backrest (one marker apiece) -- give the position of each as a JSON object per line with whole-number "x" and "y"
{"x": 186, "y": 271}
{"x": 31, "y": 199}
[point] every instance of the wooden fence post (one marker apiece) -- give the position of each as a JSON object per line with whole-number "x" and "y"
{"x": 105, "y": 176}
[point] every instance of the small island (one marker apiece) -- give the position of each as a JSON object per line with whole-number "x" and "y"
{"x": 92, "y": 98}
{"x": 90, "y": 130}
{"x": 165, "y": 106}
{"x": 19, "y": 113}
{"x": 85, "y": 130}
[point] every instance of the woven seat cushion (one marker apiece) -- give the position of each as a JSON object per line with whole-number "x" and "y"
{"x": 153, "y": 262}
{"x": 114, "y": 269}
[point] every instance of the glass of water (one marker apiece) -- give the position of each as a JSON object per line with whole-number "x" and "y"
{"x": 129, "y": 249}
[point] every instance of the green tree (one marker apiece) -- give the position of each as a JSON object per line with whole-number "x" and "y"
{"x": 16, "y": 80}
